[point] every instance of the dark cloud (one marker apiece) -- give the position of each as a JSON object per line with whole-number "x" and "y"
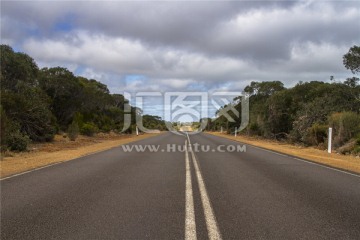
{"x": 184, "y": 44}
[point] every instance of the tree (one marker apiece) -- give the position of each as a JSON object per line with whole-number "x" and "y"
{"x": 24, "y": 104}
{"x": 280, "y": 113}
{"x": 29, "y": 109}
{"x": 17, "y": 68}
{"x": 35, "y": 104}
{"x": 351, "y": 59}
{"x": 264, "y": 89}
{"x": 352, "y": 82}
{"x": 65, "y": 92}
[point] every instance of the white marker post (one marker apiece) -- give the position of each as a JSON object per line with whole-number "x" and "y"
{"x": 221, "y": 130}
{"x": 329, "y": 140}
{"x": 235, "y": 131}
{"x": 137, "y": 131}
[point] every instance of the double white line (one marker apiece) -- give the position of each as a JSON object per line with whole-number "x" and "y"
{"x": 190, "y": 224}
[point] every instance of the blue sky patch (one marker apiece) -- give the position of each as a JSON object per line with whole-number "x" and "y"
{"x": 66, "y": 23}
{"x": 134, "y": 78}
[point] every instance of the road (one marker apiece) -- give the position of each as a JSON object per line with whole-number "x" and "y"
{"x": 182, "y": 194}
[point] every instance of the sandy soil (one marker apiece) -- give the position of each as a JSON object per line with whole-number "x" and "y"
{"x": 60, "y": 150}
{"x": 346, "y": 162}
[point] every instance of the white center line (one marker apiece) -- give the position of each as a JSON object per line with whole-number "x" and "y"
{"x": 190, "y": 225}
{"x": 211, "y": 224}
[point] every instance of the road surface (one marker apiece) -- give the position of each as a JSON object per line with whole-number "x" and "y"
{"x": 182, "y": 193}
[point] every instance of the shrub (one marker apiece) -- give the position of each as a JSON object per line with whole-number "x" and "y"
{"x": 317, "y": 134}
{"x": 106, "y": 128}
{"x": 346, "y": 125}
{"x": 348, "y": 147}
{"x": 89, "y": 129}
{"x": 356, "y": 150}
{"x": 358, "y": 140}
{"x": 73, "y": 131}
{"x": 254, "y": 129}
{"x": 16, "y": 141}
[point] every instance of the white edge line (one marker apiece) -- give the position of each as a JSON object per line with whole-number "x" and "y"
{"x": 32, "y": 170}
{"x": 320, "y": 165}
{"x": 296, "y": 158}
{"x": 308, "y": 161}
{"x": 68, "y": 160}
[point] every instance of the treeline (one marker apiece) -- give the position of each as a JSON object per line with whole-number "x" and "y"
{"x": 303, "y": 113}
{"x": 38, "y": 103}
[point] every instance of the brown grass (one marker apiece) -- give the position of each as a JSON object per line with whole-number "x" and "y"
{"x": 346, "y": 162}
{"x": 60, "y": 150}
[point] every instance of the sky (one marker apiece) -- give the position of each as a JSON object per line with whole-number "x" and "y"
{"x": 177, "y": 46}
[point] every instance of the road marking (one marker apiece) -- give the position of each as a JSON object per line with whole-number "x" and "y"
{"x": 298, "y": 159}
{"x": 187, "y": 135}
{"x": 29, "y": 171}
{"x": 211, "y": 224}
{"x": 190, "y": 225}
{"x": 320, "y": 165}
{"x": 307, "y": 161}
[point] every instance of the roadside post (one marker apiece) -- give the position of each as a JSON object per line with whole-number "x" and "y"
{"x": 235, "y": 131}
{"x": 221, "y": 130}
{"x": 329, "y": 140}
{"x": 137, "y": 131}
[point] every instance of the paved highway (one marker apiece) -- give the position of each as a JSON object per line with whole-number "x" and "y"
{"x": 182, "y": 192}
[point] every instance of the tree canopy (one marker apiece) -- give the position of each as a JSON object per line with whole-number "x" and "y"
{"x": 352, "y": 59}
{"x": 38, "y": 103}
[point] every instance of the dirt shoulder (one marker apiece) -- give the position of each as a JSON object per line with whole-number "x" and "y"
{"x": 61, "y": 150}
{"x": 346, "y": 162}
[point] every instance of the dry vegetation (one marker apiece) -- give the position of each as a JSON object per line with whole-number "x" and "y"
{"x": 346, "y": 162}
{"x": 60, "y": 150}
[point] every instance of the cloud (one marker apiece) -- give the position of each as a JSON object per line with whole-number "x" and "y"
{"x": 177, "y": 45}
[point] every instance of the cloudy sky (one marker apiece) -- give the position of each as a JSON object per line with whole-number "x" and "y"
{"x": 186, "y": 45}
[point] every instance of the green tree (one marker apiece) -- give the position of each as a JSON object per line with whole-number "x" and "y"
{"x": 29, "y": 108}
{"x": 65, "y": 92}
{"x": 17, "y": 68}
{"x": 351, "y": 59}
{"x": 26, "y": 106}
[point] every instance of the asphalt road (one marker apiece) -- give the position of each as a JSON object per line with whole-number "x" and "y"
{"x": 200, "y": 190}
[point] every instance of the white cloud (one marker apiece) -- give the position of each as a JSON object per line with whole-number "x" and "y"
{"x": 192, "y": 46}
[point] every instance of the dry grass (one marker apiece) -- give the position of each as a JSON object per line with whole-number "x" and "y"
{"x": 60, "y": 150}
{"x": 346, "y": 162}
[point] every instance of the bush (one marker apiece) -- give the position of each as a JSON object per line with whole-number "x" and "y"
{"x": 346, "y": 125}
{"x": 106, "y": 128}
{"x": 73, "y": 131}
{"x": 317, "y": 134}
{"x": 17, "y": 141}
{"x": 356, "y": 150}
{"x": 254, "y": 129}
{"x": 348, "y": 147}
{"x": 89, "y": 129}
{"x": 358, "y": 140}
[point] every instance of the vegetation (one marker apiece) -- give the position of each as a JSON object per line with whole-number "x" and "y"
{"x": 303, "y": 113}
{"x": 73, "y": 130}
{"x": 153, "y": 122}
{"x": 38, "y": 103}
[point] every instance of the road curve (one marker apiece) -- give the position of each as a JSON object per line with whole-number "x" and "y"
{"x": 182, "y": 191}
